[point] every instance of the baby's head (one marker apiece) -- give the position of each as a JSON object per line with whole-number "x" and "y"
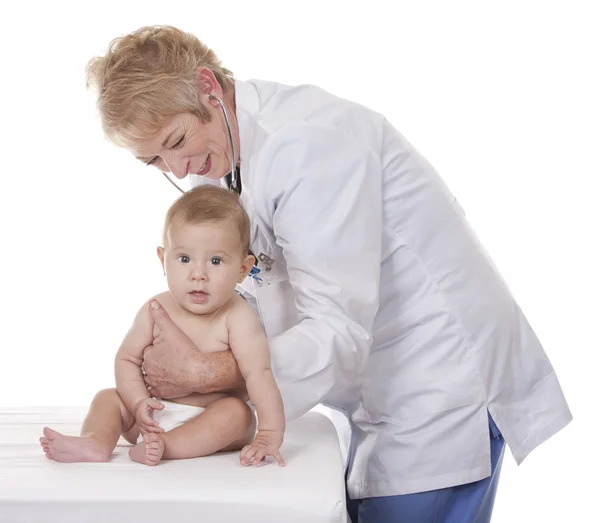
{"x": 205, "y": 248}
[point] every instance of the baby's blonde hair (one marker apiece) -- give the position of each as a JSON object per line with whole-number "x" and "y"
{"x": 149, "y": 76}
{"x": 209, "y": 204}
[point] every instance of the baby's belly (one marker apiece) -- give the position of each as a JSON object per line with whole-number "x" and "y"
{"x": 204, "y": 400}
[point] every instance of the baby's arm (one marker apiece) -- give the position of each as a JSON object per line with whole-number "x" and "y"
{"x": 128, "y": 375}
{"x": 251, "y": 350}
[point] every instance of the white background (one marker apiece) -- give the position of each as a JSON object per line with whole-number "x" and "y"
{"x": 503, "y": 99}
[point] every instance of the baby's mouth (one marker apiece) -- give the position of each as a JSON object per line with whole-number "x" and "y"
{"x": 199, "y": 296}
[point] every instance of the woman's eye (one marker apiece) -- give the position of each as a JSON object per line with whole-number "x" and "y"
{"x": 154, "y": 161}
{"x": 184, "y": 259}
{"x": 215, "y": 261}
{"x": 178, "y": 143}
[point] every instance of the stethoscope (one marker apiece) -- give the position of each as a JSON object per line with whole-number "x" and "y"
{"x": 233, "y": 179}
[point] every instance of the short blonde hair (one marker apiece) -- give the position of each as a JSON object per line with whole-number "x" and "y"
{"x": 209, "y": 204}
{"x": 149, "y": 76}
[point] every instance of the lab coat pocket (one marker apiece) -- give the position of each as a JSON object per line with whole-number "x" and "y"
{"x": 277, "y": 306}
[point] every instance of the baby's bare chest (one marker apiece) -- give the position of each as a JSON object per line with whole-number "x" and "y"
{"x": 208, "y": 336}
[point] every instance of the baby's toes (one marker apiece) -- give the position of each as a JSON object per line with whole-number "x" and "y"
{"x": 152, "y": 459}
{"x": 153, "y": 447}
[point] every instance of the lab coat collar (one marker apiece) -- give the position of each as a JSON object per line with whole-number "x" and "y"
{"x": 247, "y": 107}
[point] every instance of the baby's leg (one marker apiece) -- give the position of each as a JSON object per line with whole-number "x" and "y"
{"x": 106, "y": 420}
{"x": 226, "y": 424}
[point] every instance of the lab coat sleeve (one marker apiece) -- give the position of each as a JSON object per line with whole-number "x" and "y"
{"x": 325, "y": 192}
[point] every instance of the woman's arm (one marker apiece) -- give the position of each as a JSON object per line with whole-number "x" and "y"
{"x": 325, "y": 188}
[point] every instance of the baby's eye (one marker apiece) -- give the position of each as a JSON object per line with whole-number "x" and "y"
{"x": 184, "y": 259}
{"x": 215, "y": 261}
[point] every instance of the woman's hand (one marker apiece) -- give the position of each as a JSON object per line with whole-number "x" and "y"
{"x": 168, "y": 364}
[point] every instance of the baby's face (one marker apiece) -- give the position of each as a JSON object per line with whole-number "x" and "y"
{"x": 203, "y": 263}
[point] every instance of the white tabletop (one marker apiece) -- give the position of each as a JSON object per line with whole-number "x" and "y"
{"x": 33, "y": 489}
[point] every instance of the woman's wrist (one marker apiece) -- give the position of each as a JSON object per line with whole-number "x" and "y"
{"x": 213, "y": 372}
{"x": 194, "y": 372}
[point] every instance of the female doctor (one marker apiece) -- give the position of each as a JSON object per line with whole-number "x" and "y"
{"x": 376, "y": 296}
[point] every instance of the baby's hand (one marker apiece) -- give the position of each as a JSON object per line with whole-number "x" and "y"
{"x": 143, "y": 415}
{"x": 266, "y": 443}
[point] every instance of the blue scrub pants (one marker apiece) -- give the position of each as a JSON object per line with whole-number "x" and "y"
{"x": 470, "y": 503}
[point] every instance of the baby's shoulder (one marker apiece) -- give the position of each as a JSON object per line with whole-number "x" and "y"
{"x": 143, "y": 314}
{"x": 240, "y": 310}
{"x": 164, "y": 298}
{"x": 170, "y": 306}
{"x": 238, "y": 304}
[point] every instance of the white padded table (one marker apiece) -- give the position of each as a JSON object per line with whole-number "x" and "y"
{"x": 215, "y": 489}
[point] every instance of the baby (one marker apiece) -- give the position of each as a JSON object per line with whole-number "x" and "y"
{"x": 205, "y": 254}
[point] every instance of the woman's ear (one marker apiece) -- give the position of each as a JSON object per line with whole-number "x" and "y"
{"x": 208, "y": 84}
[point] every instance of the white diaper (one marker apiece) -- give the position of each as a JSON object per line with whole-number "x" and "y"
{"x": 174, "y": 415}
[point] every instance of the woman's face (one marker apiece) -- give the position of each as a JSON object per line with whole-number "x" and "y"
{"x": 186, "y": 145}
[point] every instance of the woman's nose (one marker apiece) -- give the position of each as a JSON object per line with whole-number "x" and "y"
{"x": 178, "y": 166}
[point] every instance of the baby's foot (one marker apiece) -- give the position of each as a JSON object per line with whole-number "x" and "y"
{"x": 150, "y": 451}
{"x": 71, "y": 449}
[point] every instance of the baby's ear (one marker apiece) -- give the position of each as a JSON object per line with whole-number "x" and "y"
{"x": 246, "y": 267}
{"x": 160, "y": 251}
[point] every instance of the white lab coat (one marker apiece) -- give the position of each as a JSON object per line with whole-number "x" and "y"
{"x": 381, "y": 302}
